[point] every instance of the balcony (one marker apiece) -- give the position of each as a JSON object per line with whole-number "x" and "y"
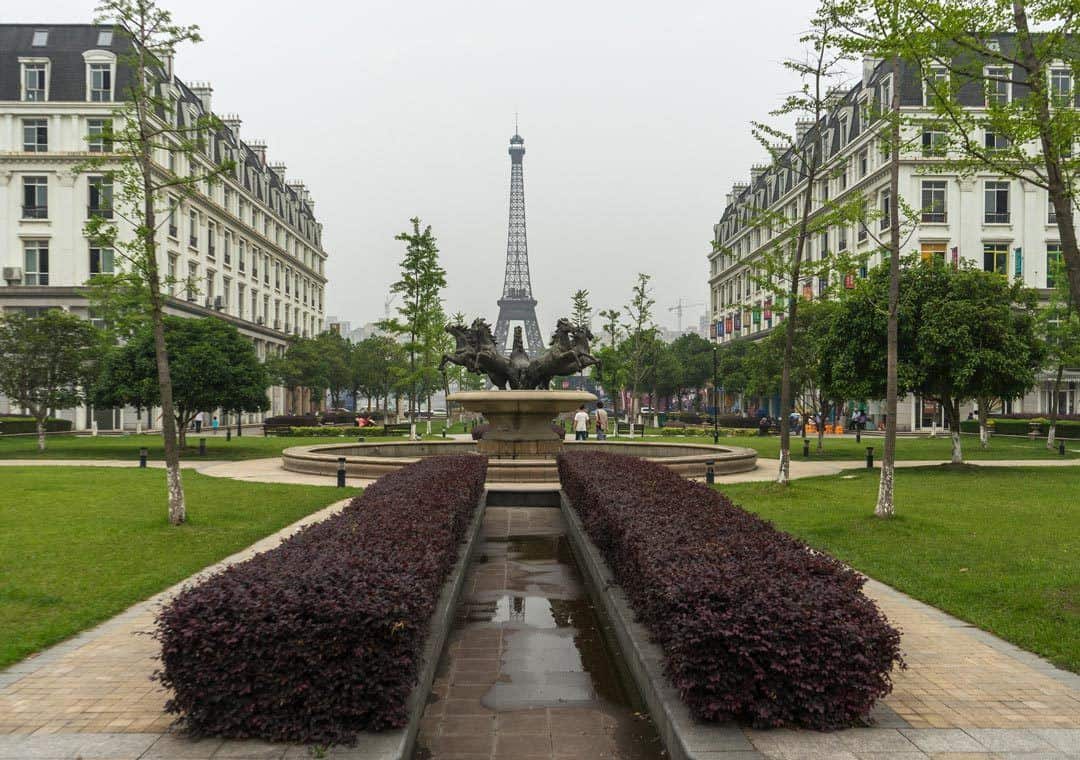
{"x": 98, "y": 211}
{"x": 35, "y": 212}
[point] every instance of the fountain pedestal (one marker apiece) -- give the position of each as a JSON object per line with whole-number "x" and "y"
{"x": 521, "y": 420}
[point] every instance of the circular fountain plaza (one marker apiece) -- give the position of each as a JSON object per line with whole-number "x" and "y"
{"x": 521, "y": 446}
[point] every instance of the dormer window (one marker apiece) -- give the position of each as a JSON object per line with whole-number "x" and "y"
{"x": 100, "y": 75}
{"x": 41, "y": 38}
{"x": 998, "y": 86}
{"x": 936, "y": 86}
{"x": 886, "y": 95}
{"x": 1061, "y": 86}
{"x": 104, "y": 38}
{"x": 35, "y": 79}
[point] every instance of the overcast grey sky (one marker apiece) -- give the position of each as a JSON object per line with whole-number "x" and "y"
{"x": 635, "y": 117}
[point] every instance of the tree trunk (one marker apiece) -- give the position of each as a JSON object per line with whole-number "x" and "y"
{"x": 40, "y": 434}
{"x": 1052, "y": 433}
{"x": 1058, "y": 188}
{"x": 885, "y": 506}
{"x": 984, "y": 437}
{"x": 823, "y": 413}
{"x": 953, "y": 408}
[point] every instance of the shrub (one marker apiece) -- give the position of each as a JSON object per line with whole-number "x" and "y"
{"x": 1066, "y": 428}
{"x": 292, "y": 420}
{"x": 322, "y": 637}
{"x": 18, "y": 423}
{"x": 753, "y": 624}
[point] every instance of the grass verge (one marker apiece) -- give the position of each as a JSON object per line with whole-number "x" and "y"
{"x": 79, "y": 545}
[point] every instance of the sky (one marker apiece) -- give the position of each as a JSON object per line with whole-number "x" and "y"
{"x": 636, "y": 119}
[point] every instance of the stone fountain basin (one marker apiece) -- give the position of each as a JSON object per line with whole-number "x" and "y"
{"x": 373, "y": 460}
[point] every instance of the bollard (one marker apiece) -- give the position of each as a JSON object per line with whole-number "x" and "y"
{"x": 202, "y": 447}
{"x": 142, "y": 457}
{"x": 360, "y": 439}
{"x": 1061, "y": 448}
{"x": 710, "y": 473}
{"x": 341, "y": 472}
{"x": 806, "y": 447}
{"x": 228, "y": 434}
{"x": 869, "y": 457}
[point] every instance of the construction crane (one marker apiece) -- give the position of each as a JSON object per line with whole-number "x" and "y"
{"x": 680, "y": 307}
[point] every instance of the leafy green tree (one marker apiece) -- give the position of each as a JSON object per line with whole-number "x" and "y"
{"x": 420, "y": 317}
{"x": 1061, "y": 330}
{"x": 735, "y": 366}
{"x": 375, "y": 361}
{"x": 692, "y": 355}
{"x": 581, "y": 315}
{"x": 303, "y": 365}
{"x": 144, "y": 128}
{"x": 640, "y": 333}
{"x": 212, "y": 364}
{"x": 46, "y": 362}
{"x": 337, "y": 372}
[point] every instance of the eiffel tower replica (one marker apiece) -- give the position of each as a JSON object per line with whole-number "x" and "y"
{"x": 517, "y": 303}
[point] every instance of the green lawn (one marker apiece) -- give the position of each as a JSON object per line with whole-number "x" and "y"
{"x": 999, "y": 548}
{"x": 79, "y": 545}
{"x": 845, "y": 447}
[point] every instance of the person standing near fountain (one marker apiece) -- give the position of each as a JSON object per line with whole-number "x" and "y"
{"x": 581, "y": 424}
{"x": 601, "y": 421}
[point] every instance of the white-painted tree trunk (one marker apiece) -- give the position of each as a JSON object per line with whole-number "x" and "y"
{"x": 984, "y": 437}
{"x": 957, "y": 451}
{"x": 177, "y": 506}
{"x": 784, "y": 475}
{"x": 40, "y": 435}
{"x": 933, "y": 427}
{"x": 884, "y": 507}
{"x": 1050, "y": 437}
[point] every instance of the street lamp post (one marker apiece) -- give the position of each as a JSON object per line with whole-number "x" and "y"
{"x": 716, "y": 399}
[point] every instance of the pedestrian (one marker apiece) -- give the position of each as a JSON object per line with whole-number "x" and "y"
{"x": 601, "y": 421}
{"x": 581, "y": 424}
{"x": 763, "y": 425}
{"x": 198, "y": 422}
{"x": 214, "y": 424}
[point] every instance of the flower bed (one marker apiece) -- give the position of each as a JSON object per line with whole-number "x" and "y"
{"x": 321, "y": 637}
{"x": 752, "y": 623}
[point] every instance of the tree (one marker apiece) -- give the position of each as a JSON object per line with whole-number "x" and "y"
{"x": 144, "y": 128}
{"x": 735, "y": 363}
{"x": 305, "y": 364}
{"x": 46, "y": 362}
{"x": 1029, "y": 78}
{"x": 1061, "y": 330}
{"x": 375, "y": 362}
{"x": 640, "y": 332}
{"x": 212, "y": 365}
{"x": 335, "y": 352}
{"x": 581, "y": 316}
{"x": 880, "y": 29}
{"x": 420, "y": 317}
{"x": 692, "y": 355}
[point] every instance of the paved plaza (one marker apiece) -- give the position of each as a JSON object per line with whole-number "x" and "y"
{"x": 512, "y": 685}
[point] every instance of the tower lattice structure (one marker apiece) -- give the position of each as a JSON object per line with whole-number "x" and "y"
{"x": 517, "y": 303}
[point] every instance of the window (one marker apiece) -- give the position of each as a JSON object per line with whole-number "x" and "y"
{"x": 173, "y": 229}
{"x": 933, "y": 142}
{"x": 288, "y": 282}
{"x": 192, "y": 280}
{"x": 996, "y": 258}
{"x": 171, "y": 280}
{"x": 35, "y": 81}
{"x": 226, "y": 286}
{"x": 100, "y": 82}
{"x": 998, "y": 86}
{"x": 104, "y": 38}
{"x": 240, "y": 263}
{"x": 936, "y": 86}
{"x": 41, "y": 38}
{"x": 1051, "y": 212}
{"x": 277, "y": 275}
{"x": 240, "y": 300}
{"x": 843, "y": 178}
{"x": 886, "y": 94}
{"x": 226, "y": 248}
{"x": 254, "y": 305}
{"x": 211, "y": 239}
{"x": 99, "y": 135}
{"x": 933, "y": 201}
{"x": 35, "y": 135}
{"x": 101, "y": 261}
{"x": 933, "y": 253}
{"x": 1061, "y": 86}
{"x": 886, "y": 209}
{"x": 997, "y": 203}
{"x": 995, "y": 140}
{"x": 35, "y": 198}
{"x": 841, "y": 237}
{"x": 36, "y": 261}
{"x": 1054, "y": 264}
{"x": 864, "y": 163}
{"x": 101, "y": 197}
{"x": 193, "y": 229}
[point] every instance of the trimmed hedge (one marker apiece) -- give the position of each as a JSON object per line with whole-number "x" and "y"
{"x": 754, "y": 625}
{"x": 18, "y": 423}
{"x": 322, "y": 637}
{"x": 1066, "y": 428}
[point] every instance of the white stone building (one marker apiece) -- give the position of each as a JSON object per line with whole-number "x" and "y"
{"x": 246, "y": 249}
{"x": 1001, "y": 224}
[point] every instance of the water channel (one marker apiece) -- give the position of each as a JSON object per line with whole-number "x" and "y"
{"x": 528, "y": 671}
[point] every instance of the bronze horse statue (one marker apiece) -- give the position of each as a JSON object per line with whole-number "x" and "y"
{"x": 568, "y": 352}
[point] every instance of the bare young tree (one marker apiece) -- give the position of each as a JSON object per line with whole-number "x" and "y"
{"x": 146, "y": 129}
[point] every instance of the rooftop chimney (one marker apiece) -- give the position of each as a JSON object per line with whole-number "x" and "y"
{"x": 258, "y": 147}
{"x": 203, "y": 91}
{"x": 756, "y": 171}
{"x": 802, "y": 126}
{"x": 232, "y": 121}
{"x": 278, "y": 168}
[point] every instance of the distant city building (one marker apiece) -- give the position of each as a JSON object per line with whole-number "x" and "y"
{"x": 246, "y": 249}
{"x": 999, "y": 223}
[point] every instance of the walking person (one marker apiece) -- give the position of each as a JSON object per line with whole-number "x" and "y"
{"x": 214, "y": 424}
{"x": 198, "y": 422}
{"x": 581, "y": 424}
{"x": 601, "y": 421}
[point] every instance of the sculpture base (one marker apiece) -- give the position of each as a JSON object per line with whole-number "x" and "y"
{"x": 521, "y": 420}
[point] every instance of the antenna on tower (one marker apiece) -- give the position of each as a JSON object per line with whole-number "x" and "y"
{"x": 515, "y": 121}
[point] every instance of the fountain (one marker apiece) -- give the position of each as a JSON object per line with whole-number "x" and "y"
{"x": 521, "y": 443}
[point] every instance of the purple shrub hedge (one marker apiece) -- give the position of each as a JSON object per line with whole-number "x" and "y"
{"x": 322, "y": 637}
{"x": 753, "y": 624}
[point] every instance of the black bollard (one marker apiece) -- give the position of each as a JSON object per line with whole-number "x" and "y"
{"x": 710, "y": 473}
{"x": 1061, "y": 448}
{"x": 869, "y": 457}
{"x": 142, "y": 457}
{"x": 805, "y": 447}
{"x": 341, "y": 472}
{"x": 228, "y": 434}
{"x": 202, "y": 447}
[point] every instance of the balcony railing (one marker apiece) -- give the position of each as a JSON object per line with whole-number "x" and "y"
{"x": 35, "y": 212}
{"x": 104, "y": 213}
